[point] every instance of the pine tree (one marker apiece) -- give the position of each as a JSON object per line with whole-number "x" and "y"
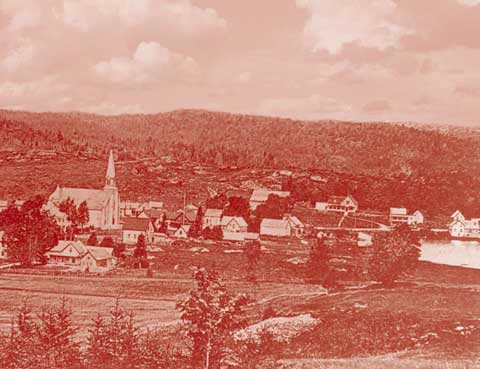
{"x": 317, "y": 266}
{"x": 83, "y": 216}
{"x": 92, "y": 240}
{"x": 140, "y": 251}
{"x": 107, "y": 241}
{"x": 211, "y": 313}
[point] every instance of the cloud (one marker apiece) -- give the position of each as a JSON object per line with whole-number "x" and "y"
{"x": 333, "y": 24}
{"x": 149, "y": 63}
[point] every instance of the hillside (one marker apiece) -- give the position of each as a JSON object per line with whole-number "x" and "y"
{"x": 435, "y": 170}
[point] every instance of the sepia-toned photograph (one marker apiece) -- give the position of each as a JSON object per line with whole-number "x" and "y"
{"x": 239, "y": 184}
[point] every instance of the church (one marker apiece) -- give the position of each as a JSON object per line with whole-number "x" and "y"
{"x": 103, "y": 205}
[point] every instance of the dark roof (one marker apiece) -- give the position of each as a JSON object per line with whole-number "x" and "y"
{"x": 136, "y": 224}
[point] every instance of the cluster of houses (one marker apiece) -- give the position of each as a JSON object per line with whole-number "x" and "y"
{"x": 460, "y": 227}
{"x": 129, "y": 220}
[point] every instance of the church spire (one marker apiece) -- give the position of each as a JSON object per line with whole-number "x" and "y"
{"x": 110, "y": 176}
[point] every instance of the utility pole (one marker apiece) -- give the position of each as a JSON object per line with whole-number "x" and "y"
{"x": 184, "y": 206}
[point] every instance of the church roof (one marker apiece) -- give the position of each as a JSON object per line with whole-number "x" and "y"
{"x": 95, "y": 199}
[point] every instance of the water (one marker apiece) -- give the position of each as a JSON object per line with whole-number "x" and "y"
{"x": 457, "y": 253}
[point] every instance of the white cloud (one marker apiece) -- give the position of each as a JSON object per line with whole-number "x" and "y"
{"x": 333, "y": 23}
{"x": 149, "y": 63}
{"x": 469, "y": 2}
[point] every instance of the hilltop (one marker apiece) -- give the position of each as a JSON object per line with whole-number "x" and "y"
{"x": 434, "y": 169}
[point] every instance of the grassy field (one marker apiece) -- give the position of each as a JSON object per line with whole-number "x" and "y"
{"x": 375, "y": 326}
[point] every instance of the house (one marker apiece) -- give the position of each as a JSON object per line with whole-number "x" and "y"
{"x": 130, "y": 208}
{"x": 82, "y": 257}
{"x": 234, "y": 224}
{"x": 275, "y": 227}
{"x": 182, "y": 231}
{"x": 401, "y": 216}
{"x": 460, "y": 227}
{"x": 212, "y": 218}
{"x": 3, "y": 249}
{"x": 259, "y": 197}
{"x": 296, "y": 226}
{"x": 339, "y": 203}
{"x": 134, "y": 227}
{"x": 103, "y": 205}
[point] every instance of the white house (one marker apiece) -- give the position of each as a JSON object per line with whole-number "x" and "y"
{"x": 259, "y": 197}
{"x": 401, "y": 216}
{"x": 182, "y": 231}
{"x": 460, "y": 227}
{"x": 84, "y": 258}
{"x": 364, "y": 239}
{"x": 296, "y": 226}
{"x": 212, "y": 218}
{"x": 134, "y": 227}
{"x": 275, "y": 227}
{"x": 338, "y": 204}
{"x": 234, "y": 224}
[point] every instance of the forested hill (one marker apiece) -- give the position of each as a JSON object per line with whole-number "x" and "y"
{"x": 436, "y": 170}
{"x": 250, "y": 141}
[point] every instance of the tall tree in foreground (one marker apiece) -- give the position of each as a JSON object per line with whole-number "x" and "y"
{"x": 210, "y": 313}
{"x": 83, "y": 216}
{"x": 140, "y": 251}
{"x": 253, "y": 251}
{"x": 113, "y": 342}
{"x": 394, "y": 254}
{"x": 32, "y": 234}
{"x": 316, "y": 268}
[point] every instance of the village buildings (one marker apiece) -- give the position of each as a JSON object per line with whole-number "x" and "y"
{"x": 134, "y": 227}
{"x": 401, "y": 216}
{"x": 212, "y": 218}
{"x": 103, "y": 205}
{"x": 234, "y": 224}
{"x": 345, "y": 204}
{"x": 81, "y": 257}
{"x": 275, "y": 227}
{"x": 460, "y": 227}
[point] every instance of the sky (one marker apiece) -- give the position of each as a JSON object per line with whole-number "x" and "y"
{"x": 361, "y": 60}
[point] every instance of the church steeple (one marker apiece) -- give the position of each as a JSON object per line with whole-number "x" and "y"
{"x": 110, "y": 176}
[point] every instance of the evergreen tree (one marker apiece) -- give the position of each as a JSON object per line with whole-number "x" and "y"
{"x": 140, "y": 251}
{"x": 92, "y": 240}
{"x": 83, "y": 216}
{"x": 113, "y": 343}
{"x": 253, "y": 251}
{"x": 211, "y": 313}
{"x": 107, "y": 241}
{"x": 68, "y": 207}
{"x": 317, "y": 268}
{"x": 196, "y": 227}
{"x": 163, "y": 225}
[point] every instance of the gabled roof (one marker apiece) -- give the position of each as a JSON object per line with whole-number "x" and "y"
{"x": 185, "y": 228}
{"x": 338, "y": 200}
{"x": 213, "y": 213}
{"x": 295, "y": 221}
{"x": 456, "y": 213}
{"x": 136, "y": 224}
{"x": 95, "y": 199}
{"x": 154, "y": 214}
{"x": 100, "y": 253}
{"x": 240, "y": 221}
{"x": 398, "y": 211}
{"x": 274, "y": 223}
{"x": 62, "y": 245}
